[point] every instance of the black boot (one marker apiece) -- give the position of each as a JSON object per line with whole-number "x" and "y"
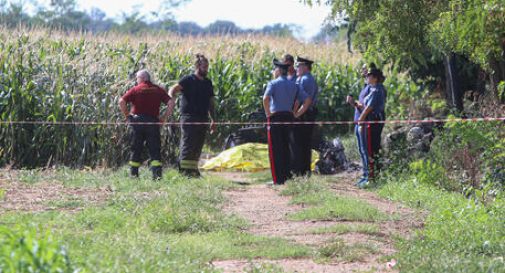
{"x": 156, "y": 173}
{"x": 134, "y": 172}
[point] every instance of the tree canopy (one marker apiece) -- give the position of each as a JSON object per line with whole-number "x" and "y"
{"x": 429, "y": 38}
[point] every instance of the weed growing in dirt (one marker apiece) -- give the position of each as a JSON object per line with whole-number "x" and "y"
{"x": 263, "y": 268}
{"x": 172, "y": 225}
{"x": 71, "y": 203}
{"x": 340, "y": 208}
{"x": 337, "y": 250}
{"x": 342, "y": 228}
{"x": 326, "y": 205}
{"x": 260, "y": 177}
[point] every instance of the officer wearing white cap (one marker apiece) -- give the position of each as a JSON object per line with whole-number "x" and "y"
{"x": 278, "y": 102}
{"x": 300, "y": 162}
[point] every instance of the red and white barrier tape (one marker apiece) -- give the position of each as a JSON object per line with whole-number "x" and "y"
{"x": 229, "y": 123}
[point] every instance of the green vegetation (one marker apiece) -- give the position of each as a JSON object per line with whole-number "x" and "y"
{"x": 325, "y": 205}
{"x": 27, "y": 251}
{"x": 350, "y": 147}
{"x": 79, "y": 78}
{"x": 461, "y": 183}
{"x": 342, "y": 228}
{"x": 339, "y": 251}
{"x": 453, "y": 46}
{"x": 459, "y": 235}
{"x": 174, "y": 225}
{"x": 260, "y": 177}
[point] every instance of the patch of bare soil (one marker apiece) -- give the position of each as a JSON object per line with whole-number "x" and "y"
{"x": 266, "y": 210}
{"x": 47, "y": 196}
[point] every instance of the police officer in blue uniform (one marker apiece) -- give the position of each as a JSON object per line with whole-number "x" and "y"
{"x": 374, "y": 110}
{"x": 278, "y": 103}
{"x": 301, "y": 159}
{"x": 359, "y": 106}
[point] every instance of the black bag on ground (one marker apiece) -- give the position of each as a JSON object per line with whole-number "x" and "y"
{"x": 332, "y": 157}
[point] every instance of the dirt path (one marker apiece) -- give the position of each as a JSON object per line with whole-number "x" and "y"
{"x": 266, "y": 210}
{"x": 46, "y": 196}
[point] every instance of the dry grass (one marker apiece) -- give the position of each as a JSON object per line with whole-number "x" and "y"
{"x": 212, "y": 46}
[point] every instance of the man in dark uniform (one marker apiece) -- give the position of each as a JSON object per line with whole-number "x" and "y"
{"x": 302, "y": 153}
{"x": 278, "y": 101}
{"x": 146, "y": 99}
{"x": 196, "y": 105}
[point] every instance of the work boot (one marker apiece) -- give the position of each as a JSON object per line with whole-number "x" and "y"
{"x": 156, "y": 173}
{"x": 134, "y": 172}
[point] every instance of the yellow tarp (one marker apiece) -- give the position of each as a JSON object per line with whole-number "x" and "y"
{"x": 249, "y": 157}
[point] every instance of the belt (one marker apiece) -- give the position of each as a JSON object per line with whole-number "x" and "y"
{"x": 283, "y": 113}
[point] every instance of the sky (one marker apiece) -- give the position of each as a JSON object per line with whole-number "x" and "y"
{"x": 244, "y": 13}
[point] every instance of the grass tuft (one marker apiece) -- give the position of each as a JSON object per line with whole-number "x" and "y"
{"x": 343, "y": 228}
{"x": 338, "y": 251}
{"x": 326, "y": 205}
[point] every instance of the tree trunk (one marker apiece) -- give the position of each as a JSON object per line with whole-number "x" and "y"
{"x": 454, "y": 95}
{"x": 497, "y": 75}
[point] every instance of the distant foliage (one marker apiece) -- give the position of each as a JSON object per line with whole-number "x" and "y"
{"x": 65, "y": 15}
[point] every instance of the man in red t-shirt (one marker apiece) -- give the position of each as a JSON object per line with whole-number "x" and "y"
{"x": 146, "y": 99}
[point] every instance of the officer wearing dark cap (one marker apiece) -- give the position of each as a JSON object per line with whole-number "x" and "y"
{"x": 374, "y": 110}
{"x": 300, "y": 162}
{"x": 278, "y": 102}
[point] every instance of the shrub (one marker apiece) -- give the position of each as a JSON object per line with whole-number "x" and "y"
{"x": 471, "y": 153}
{"x": 25, "y": 251}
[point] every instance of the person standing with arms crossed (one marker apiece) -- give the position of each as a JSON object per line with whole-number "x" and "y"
{"x": 196, "y": 105}
{"x": 278, "y": 102}
{"x": 302, "y": 153}
{"x": 146, "y": 99}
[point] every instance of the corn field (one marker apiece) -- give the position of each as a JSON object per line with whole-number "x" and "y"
{"x": 72, "y": 77}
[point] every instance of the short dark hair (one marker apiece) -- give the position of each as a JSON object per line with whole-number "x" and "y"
{"x": 284, "y": 71}
{"x": 288, "y": 58}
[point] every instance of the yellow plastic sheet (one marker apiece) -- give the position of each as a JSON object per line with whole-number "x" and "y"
{"x": 249, "y": 157}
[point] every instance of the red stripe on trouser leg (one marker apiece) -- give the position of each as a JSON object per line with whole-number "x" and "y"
{"x": 271, "y": 152}
{"x": 370, "y": 151}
